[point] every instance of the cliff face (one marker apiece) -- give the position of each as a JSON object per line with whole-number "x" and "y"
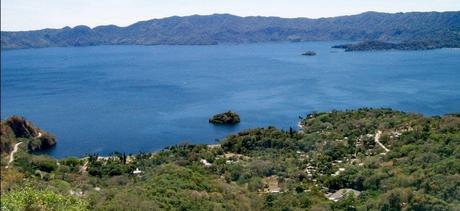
{"x": 17, "y": 127}
{"x": 21, "y": 127}
{"x": 7, "y": 138}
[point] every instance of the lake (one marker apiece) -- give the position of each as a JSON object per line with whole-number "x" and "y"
{"x": 143, "y": 98}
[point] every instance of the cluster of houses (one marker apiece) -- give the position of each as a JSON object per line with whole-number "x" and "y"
{"x": 271, "y": 183}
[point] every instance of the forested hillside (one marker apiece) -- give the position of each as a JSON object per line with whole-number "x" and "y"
{"x": 224, "y": 28}
{"x": 366, "y": 159}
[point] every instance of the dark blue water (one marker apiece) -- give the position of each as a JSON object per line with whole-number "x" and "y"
{"x": 143, "y": 98}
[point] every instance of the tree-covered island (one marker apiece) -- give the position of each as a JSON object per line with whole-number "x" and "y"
{"x": 226, "y": 118}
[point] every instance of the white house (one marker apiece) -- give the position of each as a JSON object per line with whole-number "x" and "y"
{"x": 137, "y": 171}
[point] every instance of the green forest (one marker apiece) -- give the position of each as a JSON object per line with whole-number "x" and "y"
{"x": 363, "y": 159}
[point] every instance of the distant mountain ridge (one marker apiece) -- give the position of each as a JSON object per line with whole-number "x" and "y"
{"x": 225, "y": 28}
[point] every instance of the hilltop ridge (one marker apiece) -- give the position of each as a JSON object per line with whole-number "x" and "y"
{"x": 226, "y": 28}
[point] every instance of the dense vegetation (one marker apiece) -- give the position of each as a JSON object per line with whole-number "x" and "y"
{"x": 224, "y": 28}
{"x": 408, "y": 45}
{"x": 416, "y": 168}
{"x": 226, "y": 118}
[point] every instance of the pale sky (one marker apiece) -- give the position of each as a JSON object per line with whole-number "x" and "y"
{"x": 17, "y": 15}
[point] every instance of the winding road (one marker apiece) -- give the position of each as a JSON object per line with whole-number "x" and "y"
{"x": 377, "y": 140}
{"x": 15, "y": 149}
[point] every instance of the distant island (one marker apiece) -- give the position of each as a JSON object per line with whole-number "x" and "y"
{"x": 309, "y": 53}
{"x": 226, "y": 118}
{"x": 408, "y": 45}
{"x": 224, "y": 28}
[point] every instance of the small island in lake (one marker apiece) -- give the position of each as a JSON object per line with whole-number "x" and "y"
{"x": 309, "y": 53}
{"x": 227, "y": 118}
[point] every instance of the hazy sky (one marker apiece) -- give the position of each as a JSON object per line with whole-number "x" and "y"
{"x": 37, "y": 14}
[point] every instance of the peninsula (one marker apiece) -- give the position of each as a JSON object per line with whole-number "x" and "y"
{"x": 406, "y": 46}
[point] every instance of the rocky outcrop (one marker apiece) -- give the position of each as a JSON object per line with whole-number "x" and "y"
{"x": 21, "y": 127}
{"x": 17, "y": 127}
{"x": 44, "y": 142}
{"x": 227, "y": 118}
{"x": 7, "y": 138}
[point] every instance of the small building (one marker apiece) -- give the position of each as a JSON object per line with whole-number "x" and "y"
{"x": 271, "y": 185}
{"x": 206, "y": 163}
{"x": 337, "y": 173}
{"x": 137, "y": 171}
{"x": 342, "y": 193}
{"x": 212, "y": 146}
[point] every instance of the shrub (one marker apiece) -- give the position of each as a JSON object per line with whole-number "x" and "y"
{"x": 28, "y": 198}
{"x": 43, "y": 163}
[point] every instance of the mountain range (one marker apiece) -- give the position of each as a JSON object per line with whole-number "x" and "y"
{"x": 226, "y": 28}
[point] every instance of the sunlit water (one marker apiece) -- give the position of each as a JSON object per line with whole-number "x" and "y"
{"x": 143, "y": 98}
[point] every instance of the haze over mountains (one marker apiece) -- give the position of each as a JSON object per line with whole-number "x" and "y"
{"x": 224, "y": 28}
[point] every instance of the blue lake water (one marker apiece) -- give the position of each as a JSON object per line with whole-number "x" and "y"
{"x": 143, "y": 98}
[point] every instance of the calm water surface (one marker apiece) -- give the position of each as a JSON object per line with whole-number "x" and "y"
{"x": 143, "y": 98}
